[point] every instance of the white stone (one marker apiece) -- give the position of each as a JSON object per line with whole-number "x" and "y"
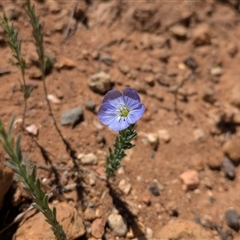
{"x": 89, "y": 158}
{"x": 153, "y": 140}
{"x": 164, "y": 135}
{"x": 216, "y": 71}
{"x": 117, "y": 224}
{"x": 53, "y": 99}
{"x": 149, "y": 233}
{"x": 32, "y": 129}
{"x": 125, "y": 186}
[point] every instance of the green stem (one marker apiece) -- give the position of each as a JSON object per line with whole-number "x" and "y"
{"x": 27, "y": 176}
{"x": 122, "y": 143}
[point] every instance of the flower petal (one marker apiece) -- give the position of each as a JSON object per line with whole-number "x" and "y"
{"x": 130, "y": 102}
{"x": 106, "y": 113}
{"x": 111, "y": 95}
{"x": 131, "y": 94}
{"x": 119, "y": 124}
{"x": 135, "y": 114}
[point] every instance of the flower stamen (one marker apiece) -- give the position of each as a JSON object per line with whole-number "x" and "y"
{"x": 123, "y": 111}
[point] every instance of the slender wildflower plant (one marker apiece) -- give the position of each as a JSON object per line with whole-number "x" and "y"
{"x": 43, "y": 61}
{"x": 120, "y": 111}
{"x": 15, "y": 45}
{"x": 26, "y": 173}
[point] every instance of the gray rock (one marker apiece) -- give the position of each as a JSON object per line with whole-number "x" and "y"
{"x": 117, "y": 224}
{"x": 154, "y": 189}
{"x": 100, "y": 82}
{"x": 90, "y": 105}
{"x": 191, "y": 63}
{"x": 72, "y": 116}
{"x": 106, "y": 59}
{"x": 232, "y": 219}
{"x": 228, "y": 169}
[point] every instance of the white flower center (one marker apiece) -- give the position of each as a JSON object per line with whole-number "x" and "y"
{"x": 123, "y": 111}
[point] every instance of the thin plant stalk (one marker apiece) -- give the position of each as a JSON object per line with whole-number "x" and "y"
{"x": 15, "y": 45}
{"x": 27, "y": 174}
{"x": 38, "y": 37}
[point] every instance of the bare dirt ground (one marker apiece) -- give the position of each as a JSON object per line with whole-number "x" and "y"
{"x": 182, "y": 57}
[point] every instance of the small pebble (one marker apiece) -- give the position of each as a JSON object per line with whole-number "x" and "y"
{"x": 89, "y": 158}
{"x": 100, "y": 82}
{"x": 191, "y": 63}
{"x": 125, "y": 186}
{"x": 153, "y": 188}
{"x": 98, "y": 125}
{"x": 172, "y": 209}
{"x": 124, "y": 68}
{"x": 65, "y": 63}
{"x": 100, "y": 138}
{"x": 179, "y": 31}
{"x": 89, "y": 214}
{"x": 232, "y": 49}
{"x": 201, "y": 35}
{"x": 199, "y": 134}
{"x": 229, "y": 169}
{"x": 106, "y": 59}
{"x": 232, "y": 219}
{"x": 149, "y": 80}
{"x": 216, "y": 71}
{"x": 149, "y": 233}
{"x": 53, "y": 99}
{"x": 164, "y": 135}
{"x": 153, "y": 140}
{"x": 209, "y": 95}
{"x": 146, "y": 199}
{"x": 232, "y": 150}
{"x": 190, "y": 180}
{"x": 97, "y": 228}
{"x": 92, "y": 179}
{"x": 72, "y": 116}
{"x": 214, "y": 163}
{"x": 35, "y": 74}
{"x": 90, "y": 105}
{"x": 32, "y": 129}
{"x": 117, "y": 224}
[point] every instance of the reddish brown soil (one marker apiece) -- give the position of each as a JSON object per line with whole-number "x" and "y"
{"x": 121, "y": 30}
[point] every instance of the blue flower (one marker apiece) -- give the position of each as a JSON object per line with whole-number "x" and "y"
{"x": 119, "y": 110}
